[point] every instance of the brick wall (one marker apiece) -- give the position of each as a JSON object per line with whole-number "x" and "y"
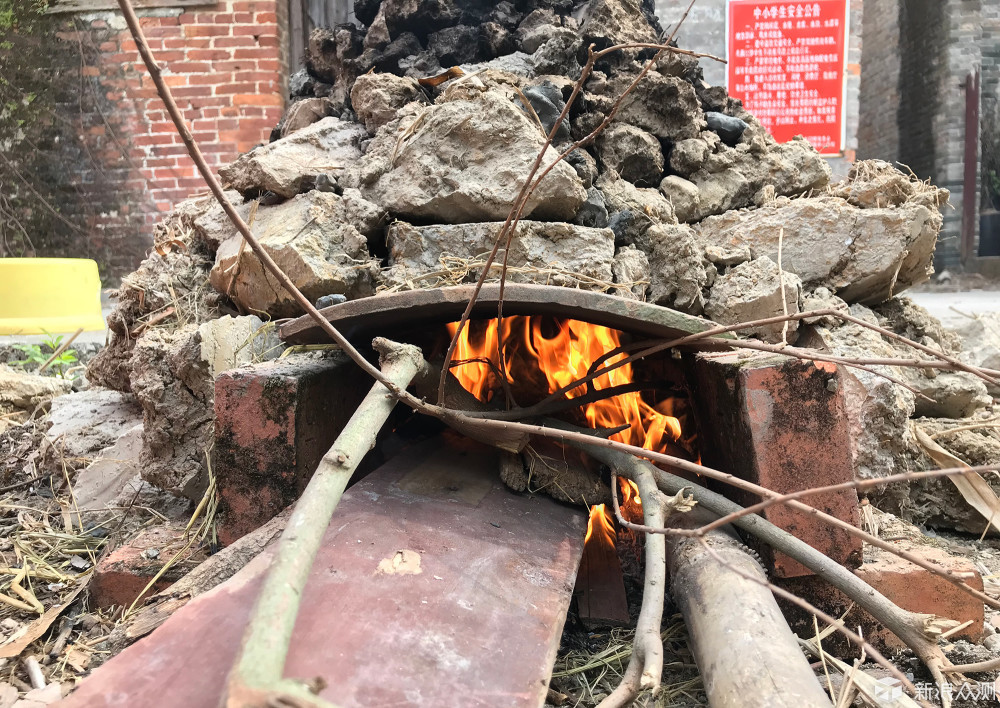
{"x": 878, "y": 133}
{"x": 115, "y": 150}
{"x": 918, "y": 55}
{"x": 704, "y": 30}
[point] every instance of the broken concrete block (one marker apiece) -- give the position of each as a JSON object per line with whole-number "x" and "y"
{"x": 633, "y": 210}
{"x": 676, "y": 267}
{"x": 377, "y": 97}
{"x": 87, "y": 422}
{"x": 688, "y": 156}
{"x": 631, "y": 152}
{"x": 610, "y": 22}
{"x": 632, "y": 274}
{"x": 684, "y": 197}
{"x": 541, "y": 252}
{"x": 467, "y": 163}
{"x": 172, "y": 375}
{"x": 290, "y": 165}
{"x": 865, "y": 255}
{"x": 878, "y": 410}
{"x": 23, "y": 391}
{"x": 665, "y": 106}
{"x": 781, "y": 423}
{"x": 756, "y": 290}
{"x": 319, "y": 239}
{"x": 304, "y": 113}
{"x": 273, "y": 423}
{"x": 123, "y": 574}
{"x": 100, "y": 483}
{"x": 729, "y": 178}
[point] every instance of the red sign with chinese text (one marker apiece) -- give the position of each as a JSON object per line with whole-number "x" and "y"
{"x": 786, "y": 63}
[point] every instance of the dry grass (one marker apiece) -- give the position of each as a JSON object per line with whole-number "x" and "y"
{"x": 588, "y": 674}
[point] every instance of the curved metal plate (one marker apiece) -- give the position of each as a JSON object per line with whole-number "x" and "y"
{"x": 387, "y": 314}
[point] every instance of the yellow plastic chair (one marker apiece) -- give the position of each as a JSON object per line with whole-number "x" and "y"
{"x": 39, "y": 295}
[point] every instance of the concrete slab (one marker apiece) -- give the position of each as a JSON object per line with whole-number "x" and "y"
{"x": 450, "y": 590}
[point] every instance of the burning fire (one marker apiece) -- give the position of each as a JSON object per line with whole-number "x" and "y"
{"x": 600, "y": 523}
{"x": 562, "y": 356}
{"x": 545, "y": 354}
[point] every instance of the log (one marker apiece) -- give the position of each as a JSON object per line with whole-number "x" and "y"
{"x": 747, "y": 655}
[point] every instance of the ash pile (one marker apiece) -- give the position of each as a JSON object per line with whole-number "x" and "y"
{"x": 405, "y": 146}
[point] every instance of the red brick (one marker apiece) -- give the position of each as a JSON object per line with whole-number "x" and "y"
{"x": 253, "y": 99}
{"x": 509, "y": 560}
{"x": 781, "y": 424}
{"x": 205, "y": 31}
{"x": 273, "y": 423}
{"x": 125, "y": 572}
{"x": 219, "y": 42}
{"x": 918, "y": 590}
{"x": 904, "y": 583}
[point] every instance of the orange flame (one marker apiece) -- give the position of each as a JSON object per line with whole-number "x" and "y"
{"x": 600, "y": 526}
{"x": 563, "y": 357}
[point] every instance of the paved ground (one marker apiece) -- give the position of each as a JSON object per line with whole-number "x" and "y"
{"x": 952, "y": 308}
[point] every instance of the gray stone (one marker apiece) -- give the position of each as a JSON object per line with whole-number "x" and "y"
{"x": 585, "y": 165}
{"x": 730, "y": 178}
{"x": 665, "y": 106}
{"x": 23, "y": 391}
{"x": 952, "y": 394}
{"x": 632, "y": 274}
{"x": 455, "y": 45}
{"x": 864, "y": 255}
{"x": 377, "y": 97}
{"x": 677, "y": 270}
{"x": 593, "y": 213}
{"x": 291, "y": 165}
{"x": 878, "y": 410}
{"x": 304, "y": 113}
{"x": 727, "y": 257}
{"x": 100, "y": 483}
{"x": 729, "y": 128}
{"x": 683, "y": 196}
{"x": 752, "y": 291}
{"x": 547, "y": 102}
{"x": 558, "y": 55}
{"x": 88, "y": 422}
{"x": 688, "y": 156}
{"x": 532, "y": 38}
{"x": 420, "y": 17}
{"x": 560, "y": 254}
{"x": 609, "y": 22}
{"x": 631, "y": 152}
{"x": 638, "y": 209}
{"x": 467, "y": 162}
{"x": 319, "y": 239}
{"x": 173, "y": 378}
{"x": 213, "y": 225}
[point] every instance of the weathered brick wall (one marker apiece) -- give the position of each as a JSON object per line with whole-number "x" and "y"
{"x": 114, "y": 148}
{"x": 878, "y": 133}
{"x": 704, "y": 30}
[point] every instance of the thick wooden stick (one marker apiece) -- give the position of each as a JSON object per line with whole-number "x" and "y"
{"x": 645, "y": 666}
{"x": 257, "y": 676}
{"x": 747, "y": 655}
